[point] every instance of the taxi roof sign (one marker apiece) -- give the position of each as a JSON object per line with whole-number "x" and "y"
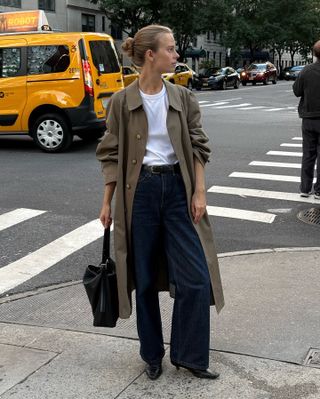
{"x": 23, "y": 21}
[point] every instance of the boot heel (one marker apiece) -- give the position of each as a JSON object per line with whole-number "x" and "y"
{"x": 177, "y": 365}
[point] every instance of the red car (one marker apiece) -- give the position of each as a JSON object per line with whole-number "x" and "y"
{"x": 263, "y": 73}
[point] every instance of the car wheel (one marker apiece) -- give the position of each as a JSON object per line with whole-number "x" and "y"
{"x": 51, "y": 133}
{"x": 254, "y": 83}
{"x": 266, "y": 81}
{"x": 237, "y": 84}
{"x": 224, "y": 85}
{"x": 198, "y": 88}
{"x": 244, "y": 83}
{"x": 274, "y": 81}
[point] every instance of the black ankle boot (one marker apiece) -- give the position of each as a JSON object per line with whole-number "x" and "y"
{"x": 153, "y": 371}
{"x": 212, "y": 375}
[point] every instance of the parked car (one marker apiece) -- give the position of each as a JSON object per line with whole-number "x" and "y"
{"x": 129, "y": 75}
{"x": 201, "y": 79}
{"x": 56, "y": 85}
{"x": 263, "y": 73}
{"x": 183, "y": 75}
{"x": 294, "y": 72}
{"x": 222, "y": 78}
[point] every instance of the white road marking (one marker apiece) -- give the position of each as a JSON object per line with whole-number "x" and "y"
{"x": 249, "y": 108}
{"x": 285, "y": 153}
{"x": 274, "y": 109}
{"x": 204, "y": 101}
{"x": 276, "y": 164}
{"x": 215, "y": 104}
{"x": 265, "y": 176}
{"x": 250, "y": 192}
{"x": 234, "y": 213}
{"x": 36, "y": 262}
{"x": 296, "y": 138}
{"x": 233, "y": 106}
{"x": 11, "y": 218}
{"x": 297, "y": 145}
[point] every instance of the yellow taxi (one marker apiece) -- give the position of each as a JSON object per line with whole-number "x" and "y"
{"x": 54, "y": 85}
{"x": 129, "y": 74}
{"x": 183, "y": 75}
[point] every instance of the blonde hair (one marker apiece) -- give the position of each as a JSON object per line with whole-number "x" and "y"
{"x": 147, "y": 38}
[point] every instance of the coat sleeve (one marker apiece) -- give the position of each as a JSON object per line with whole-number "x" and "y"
{"x": 107, "y": 150}
{"x": 198, "y": 137}
{"x": 298, "y": 85}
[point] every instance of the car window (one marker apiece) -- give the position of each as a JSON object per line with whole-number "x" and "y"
{"x": 10, "y": 62}
{"x": 104, "y": 56}
{"x": 218, "y": 71}
{"x": 47, "y": 59}
{"x": 231, "y": 70}
{"x": 257, "y": 67}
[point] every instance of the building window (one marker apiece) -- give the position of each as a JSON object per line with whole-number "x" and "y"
{"x": 214, "y": 56}
{"x": 47, "y": 5}
{"x": 116, "y": 32}
{"x": 208, "y": 35}
{"x": 11, "y": 3}
{"x": 10, "y": 62}
{"x": 47, "y": 59}
{"x": 208, "y": 55}
{"x": 103, "y": 23}
{"x": 88, "y": 23}
{"x": 220, "y": 59}
{"x": 215, "y": 36}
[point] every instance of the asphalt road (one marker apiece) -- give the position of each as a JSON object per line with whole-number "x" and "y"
{"x": 253, "y": 206}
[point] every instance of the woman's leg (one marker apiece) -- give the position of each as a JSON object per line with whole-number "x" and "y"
{"x": 190, "y": 334}
{"x": 145, "y": 238}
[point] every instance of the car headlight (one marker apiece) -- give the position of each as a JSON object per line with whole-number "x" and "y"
{"x": 243, "y": 74}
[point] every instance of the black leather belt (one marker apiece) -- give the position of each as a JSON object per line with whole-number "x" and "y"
{"x": 157, "y": 169}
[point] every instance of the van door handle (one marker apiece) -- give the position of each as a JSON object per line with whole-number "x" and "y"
{"x": 98, "y": 81}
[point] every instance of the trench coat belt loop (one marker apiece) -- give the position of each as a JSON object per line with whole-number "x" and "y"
{"x": 157, "y": 169}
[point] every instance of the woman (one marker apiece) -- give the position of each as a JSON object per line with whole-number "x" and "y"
{"x": 154, "y": 152}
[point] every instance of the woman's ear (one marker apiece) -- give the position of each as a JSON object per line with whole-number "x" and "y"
{"x": 149, "y": 55}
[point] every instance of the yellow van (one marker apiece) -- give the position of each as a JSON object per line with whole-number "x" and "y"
{"x": 54, "y": 85}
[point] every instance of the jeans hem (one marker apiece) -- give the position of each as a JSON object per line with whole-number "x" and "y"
{"x": 193, "y": 366}
{"x": 153, "y": 362}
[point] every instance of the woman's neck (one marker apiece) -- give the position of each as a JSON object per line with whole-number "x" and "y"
{"x": 150, "y": 83}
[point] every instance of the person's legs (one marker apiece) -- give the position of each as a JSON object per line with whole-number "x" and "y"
{"x": 190, "y": 331}
{"x": 145, "y": 235}
{"x": 317, "y": 183}
{"x": 309, "y": 155}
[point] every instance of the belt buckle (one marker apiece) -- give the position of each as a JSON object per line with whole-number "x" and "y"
{"x": 154, "y": 170}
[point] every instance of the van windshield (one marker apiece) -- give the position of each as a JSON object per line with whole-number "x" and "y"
{"x": 104, "y": 56}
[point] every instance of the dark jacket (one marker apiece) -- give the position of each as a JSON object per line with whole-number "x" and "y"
{"x": 307, "y": 86}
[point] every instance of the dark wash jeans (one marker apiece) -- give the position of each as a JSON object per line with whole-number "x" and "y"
{"x": 160, "y": 211}
{"x": 311, "y": 154}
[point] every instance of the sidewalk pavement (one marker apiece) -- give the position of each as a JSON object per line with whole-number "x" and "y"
{"x": 259, "y": 342}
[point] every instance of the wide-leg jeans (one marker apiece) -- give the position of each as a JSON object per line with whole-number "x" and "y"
{"x": 310, "y": 155}
{"x": 160, "y": 214}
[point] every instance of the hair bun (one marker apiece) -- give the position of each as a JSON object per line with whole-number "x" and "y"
{"x": 127, "y": 46}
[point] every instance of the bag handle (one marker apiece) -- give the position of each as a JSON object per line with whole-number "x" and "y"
{"x": 106, "y": 245}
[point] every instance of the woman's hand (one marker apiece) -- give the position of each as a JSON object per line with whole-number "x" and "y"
{"x": 198, "y": 205}
{"x": 105, "y": 215}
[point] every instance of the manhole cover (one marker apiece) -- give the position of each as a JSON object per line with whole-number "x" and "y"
{"x": 313, "y": 358}
{"x": 310, "y": 216}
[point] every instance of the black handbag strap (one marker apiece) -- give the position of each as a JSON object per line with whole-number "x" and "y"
{"x": 106, "y": 245}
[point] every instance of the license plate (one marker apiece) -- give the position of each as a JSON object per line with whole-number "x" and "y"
{"x": 250, "y": 77}
{"x": 205, "y": 84}
{"x": 105, "y": 102}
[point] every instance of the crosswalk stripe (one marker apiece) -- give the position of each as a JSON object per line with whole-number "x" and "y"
{"x": 250, "y": 192}
{"x": 249, "y": 108}
{"x": 215, "y": 104}
{"x": 233, "y": 106}
{"x": 234, "y": 213}
{"x": 276, "y": 164}
{"x": 297, "y": 145}
{"x": 34, "y": 263}
{"x": 285, "y": 153}
{"x": 274, "y": 109}
{"x": 11, "y": 218}
{"x": 296, "y": 138}
{"x": 203, "y": 101}
{"x": 266, "y": 176}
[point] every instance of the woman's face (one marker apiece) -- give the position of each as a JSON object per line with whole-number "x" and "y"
{"x": 165, "y": 58}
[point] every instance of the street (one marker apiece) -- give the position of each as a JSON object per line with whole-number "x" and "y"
{"x": 252, "y": 181}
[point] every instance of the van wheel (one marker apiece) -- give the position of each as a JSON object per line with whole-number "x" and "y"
{"x": 51, "y": 133}
{"x": 244, "y": 83}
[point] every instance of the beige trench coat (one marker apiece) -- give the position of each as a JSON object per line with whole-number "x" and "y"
{"x": 121, "y": 153}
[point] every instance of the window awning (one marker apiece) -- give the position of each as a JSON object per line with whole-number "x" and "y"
{"x": 193, "y": 52}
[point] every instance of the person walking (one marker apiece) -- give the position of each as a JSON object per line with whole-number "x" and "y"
{"x": 307, "y": 86}
{"x": 154, "y": 153}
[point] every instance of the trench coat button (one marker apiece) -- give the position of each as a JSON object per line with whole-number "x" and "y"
{"x": 138, "y": 136}
{"x": 134, "y": 161}
{"x": 128, "y": 186}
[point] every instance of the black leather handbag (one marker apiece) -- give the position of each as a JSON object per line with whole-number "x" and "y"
{"x": 100, "y": 283}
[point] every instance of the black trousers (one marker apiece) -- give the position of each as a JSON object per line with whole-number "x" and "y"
{"x": 310, "y": 155}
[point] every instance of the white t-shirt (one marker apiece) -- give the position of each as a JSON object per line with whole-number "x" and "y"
{"x": 159, "y": 150}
